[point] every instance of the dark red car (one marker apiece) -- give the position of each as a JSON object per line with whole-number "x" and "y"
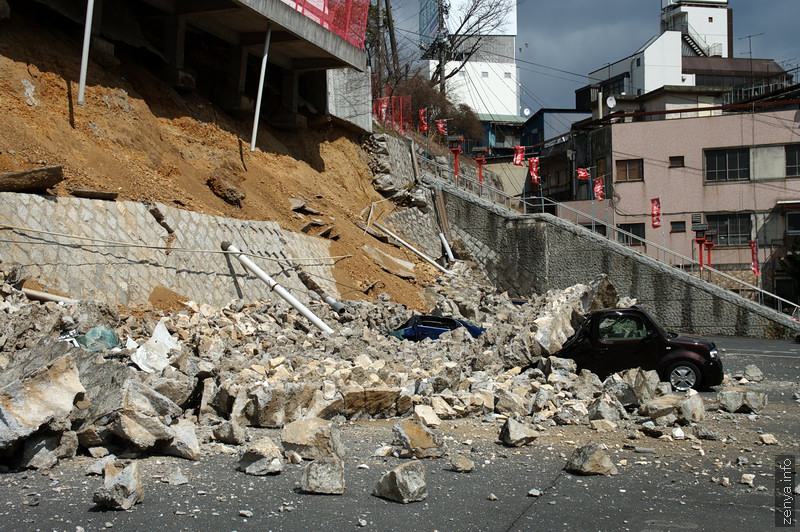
{"x": 613, "y": 340}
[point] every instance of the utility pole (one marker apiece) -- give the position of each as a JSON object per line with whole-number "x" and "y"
{"x": 441, "y": 40}
{"x": 392, "y": 39}
{"x": 379, "y": 33}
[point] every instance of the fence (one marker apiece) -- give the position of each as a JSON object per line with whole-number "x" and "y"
{"x": 393, "y": 112}
{"x": 345, "y": 18}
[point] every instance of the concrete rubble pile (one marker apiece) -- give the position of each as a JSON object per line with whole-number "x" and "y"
{"x": 193, "y": 381}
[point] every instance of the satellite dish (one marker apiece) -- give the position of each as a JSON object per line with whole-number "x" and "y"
{"x": 526, "y": 112}
{"x": 611, "y": 102}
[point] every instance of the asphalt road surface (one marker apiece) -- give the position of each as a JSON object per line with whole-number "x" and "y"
{"x": 661, "y": 485}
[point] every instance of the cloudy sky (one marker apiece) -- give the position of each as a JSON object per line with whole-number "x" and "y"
{"x": 563, "y": 40}
{"x": 579, "y": 36}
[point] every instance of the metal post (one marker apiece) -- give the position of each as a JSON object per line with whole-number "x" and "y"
{"x": 87, "y": 42}
{"x": 261, "y": 87}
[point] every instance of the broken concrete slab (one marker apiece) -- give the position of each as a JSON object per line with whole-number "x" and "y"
{"x": 591, "y": 459}
{"x": 417, "y": 440}
{"x": 516, "y": 434}
{"x": 41, "y": 397}
{"x": 122, "y": 486}
{"x": 312, "y": 438}
{"x": 324, "y": 476}
{"x": 405, "y": 483}
{"x": 262, "y": 457}
{"x": 742, "y": 400}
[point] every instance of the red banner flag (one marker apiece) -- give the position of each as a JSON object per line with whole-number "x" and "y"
{"x": 423, "y": 123}
{"x": 441, "y": 127}
{"x": 519, "y": 155}
{"x": 583, "y": 173}
{"x": 655, "y": 212}
{"x": 533, "y": 168}
{"x": 598, "y": 189}
{"x": 754, "y": 264}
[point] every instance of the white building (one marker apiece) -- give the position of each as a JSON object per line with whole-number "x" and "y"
{"x": 689, "y": 65}
{"x": 489, "y": 82}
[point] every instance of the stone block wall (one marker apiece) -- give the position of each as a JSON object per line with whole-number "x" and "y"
{"x": 103, "y": 269}
{"x": 531, "y": 254}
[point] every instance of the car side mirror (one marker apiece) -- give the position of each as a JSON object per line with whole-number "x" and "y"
{"x": 651, "y": 334}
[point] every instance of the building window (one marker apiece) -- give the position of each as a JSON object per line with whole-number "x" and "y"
{"x": 637, "y": 230}
{"x": 484, "y": 74}
{"x": 507, "y": 75}
{"x": 676, "y": 161}
{"x": 630, "y": 170}
{"x": 711, "y": 19}
{"x": 793, "y": 223}
{"x": 732, "y": 229}
{"x": 728, "y": 165}
{"x": 793, "y": 160}
{"x": 677, "y": 227}
{"x": 638, "y": 61}
{"x": 600, "y": 229}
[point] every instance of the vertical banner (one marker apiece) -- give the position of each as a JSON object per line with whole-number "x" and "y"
{"x": 519, "y": 155}
{"x": 533, "y": 167}
{"x": 599, "y": 191}
{"x": 441, "y": 127}
{"x": 754, "y": 264}
{"x": 423, "y": 123}
{"x": 583, "y": 173}
{"x": 655, "y": 212}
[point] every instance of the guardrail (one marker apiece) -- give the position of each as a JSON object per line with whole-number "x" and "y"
{"x": 539, "y": 204}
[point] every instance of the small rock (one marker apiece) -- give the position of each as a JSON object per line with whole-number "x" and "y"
{"x": 246, "y": 513}
{"x": 747, "y": 479}
{"x": 769, "y": 439}
{"x": 176, "y": 478}
{"x": 491, "y": 497}
{"x": 535, "y": 493}
{"x": 752, "y": 373}
{"x": 461, "y": 464}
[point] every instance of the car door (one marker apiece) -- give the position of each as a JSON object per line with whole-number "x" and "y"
{"x": 622, "y": 341}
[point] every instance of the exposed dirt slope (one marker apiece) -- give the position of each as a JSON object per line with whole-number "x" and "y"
{"x": 138, "y": 137}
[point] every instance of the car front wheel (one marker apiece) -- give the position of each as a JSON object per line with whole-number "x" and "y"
{"x": 683, "y": 375}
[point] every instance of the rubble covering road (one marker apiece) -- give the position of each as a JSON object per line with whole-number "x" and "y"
{"x": 260, "y": 365}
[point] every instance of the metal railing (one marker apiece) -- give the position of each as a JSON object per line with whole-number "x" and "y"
{"x": 653, "y": 250}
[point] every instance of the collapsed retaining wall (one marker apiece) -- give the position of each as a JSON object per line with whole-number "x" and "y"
{"x": 124, "y": 275}
{"x": 527, "y": 254}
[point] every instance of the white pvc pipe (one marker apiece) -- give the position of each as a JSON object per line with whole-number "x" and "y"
{"x": 261, "y": 274}
{"x": 412, "y": 248}
{"x": 260, "y": 87}
{"x": 87, "y": 42}
{"x": 447, "y": 249}
{"x": 45, "y": 296}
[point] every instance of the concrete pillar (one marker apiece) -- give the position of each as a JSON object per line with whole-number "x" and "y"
{"x": 175, "y": 39}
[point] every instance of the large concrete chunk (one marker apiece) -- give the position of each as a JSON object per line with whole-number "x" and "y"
{"x": 312, "y": 438}
{"x": 325, "y": 476}
{"x": 741, "y": 400}
{"x": 417, "y": 440}
{"x": 44, "y": 396}
{"x": 122, "y": 487}
{"x": 405, "y": 483}
{"x": 262, "y": 457}
{"x": 590, "y": 459}
{"x": 516, "y": 434}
